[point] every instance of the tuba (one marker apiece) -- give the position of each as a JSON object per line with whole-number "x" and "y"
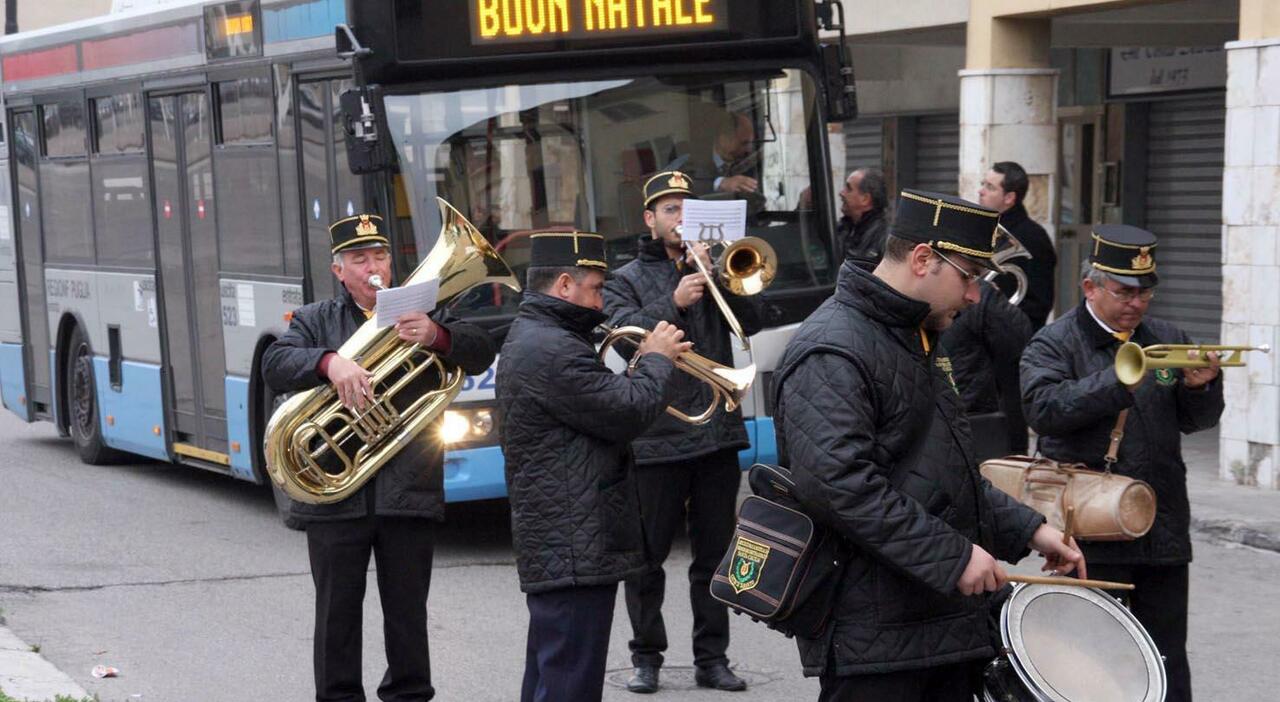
{"x": 728, "y": 385}
{"x": 318, "y": 451}
{"x": 1133, "y": 361}
{"x": 1012, "y": 249}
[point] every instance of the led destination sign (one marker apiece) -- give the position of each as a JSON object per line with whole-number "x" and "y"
{"x": 501, "y": 21}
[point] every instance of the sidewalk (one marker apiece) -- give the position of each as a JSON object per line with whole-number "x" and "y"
{"x": 1223, "y": 509}
{"x": 26, "y": 675}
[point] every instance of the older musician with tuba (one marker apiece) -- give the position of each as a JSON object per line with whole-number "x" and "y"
{"x": 687, "y": 474}
{"x": 1075, "y": 400}
{"x": 392, "y": 515}
{"x": 568, "y": 423}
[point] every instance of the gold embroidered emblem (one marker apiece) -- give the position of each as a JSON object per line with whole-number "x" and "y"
{"x": 748, "y": 560}
{"x": 365, "y": 227}
{"x": 1143, "y": 259}
{"x": 678, "y": 181}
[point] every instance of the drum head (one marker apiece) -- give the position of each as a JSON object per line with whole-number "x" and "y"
{"x": 1077, "y": 644}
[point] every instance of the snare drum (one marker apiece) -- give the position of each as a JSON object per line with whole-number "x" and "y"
{"x": 1072, "y": 644}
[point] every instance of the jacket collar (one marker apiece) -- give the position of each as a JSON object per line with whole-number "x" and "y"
{"x": 859, "y": 288}
{"x": 1101, "y": 338}
{"x": 349, "y": 303}
{"x": 566, "y": 315}
{"x": 1014, "y": 216}
{"x": 653, "y": 250}
{"x": 869, "y": 218}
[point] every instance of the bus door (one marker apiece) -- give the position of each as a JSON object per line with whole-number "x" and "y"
{"x": 330, "y": 190}
{"x": 188, "y": 265}
{"x": 24, "y": 152}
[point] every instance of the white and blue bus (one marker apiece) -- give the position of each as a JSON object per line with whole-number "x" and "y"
{"x": 169, "y": 175}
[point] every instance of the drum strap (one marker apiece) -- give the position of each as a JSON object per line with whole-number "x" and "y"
{"x": 1117, "y": 433}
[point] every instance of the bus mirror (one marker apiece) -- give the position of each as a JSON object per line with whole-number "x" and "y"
{"x": 842, "y": 95}
{"x": 364, "y": 124}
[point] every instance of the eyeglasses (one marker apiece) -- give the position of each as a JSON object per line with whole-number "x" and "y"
{"x": 1130, "y": 294}
{"x": 969, "y": 278}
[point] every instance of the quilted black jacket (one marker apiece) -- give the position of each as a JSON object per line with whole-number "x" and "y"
{"x": 1072, "y": 398}
{"x": 567, "y": 426}
{"x": 640, "y": 294}
{"x": 1038, "y": 302}
{"x": 874, "y": 433}
{"x": 985, "y": 344}
{"x": 412, "y": 483}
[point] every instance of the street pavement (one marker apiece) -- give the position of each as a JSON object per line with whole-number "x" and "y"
{"x": 186, "y": 582}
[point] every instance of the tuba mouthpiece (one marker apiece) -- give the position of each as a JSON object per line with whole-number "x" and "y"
{"x": 375, "y": 282}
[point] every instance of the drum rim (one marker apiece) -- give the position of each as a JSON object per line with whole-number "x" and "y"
{"x": 1025, "y": 593}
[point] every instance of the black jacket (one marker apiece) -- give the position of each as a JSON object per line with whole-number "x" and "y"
{"x": 1038, "y": 302}
{"x": 985, "y": 344}
{"x": 640, "y": 294}
{"x": 864, "y": 240}
{"x": 567, "y": 424}
{"x": 412, "y": 483}
{"x": 1072, "y": 398}
{"x": 874, "y": 433}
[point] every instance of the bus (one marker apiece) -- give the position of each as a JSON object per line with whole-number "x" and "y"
{"x": 170, "y": 173}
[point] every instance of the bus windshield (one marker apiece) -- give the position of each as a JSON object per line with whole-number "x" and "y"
{"x": 575, "y": 155}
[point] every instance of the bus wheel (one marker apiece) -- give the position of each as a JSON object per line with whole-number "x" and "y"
{"x": 270, "y": 401}
{"x": 82, "y": 399}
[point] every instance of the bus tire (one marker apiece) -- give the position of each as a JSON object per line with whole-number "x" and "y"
{"x": 270, "y": 401}
{"x": 82, "y": 403}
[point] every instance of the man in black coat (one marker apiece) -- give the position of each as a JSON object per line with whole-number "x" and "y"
{"x": 1004, "y": 188}
{"x": 392, "y": 515}
{"x": 1073, "y": 399}
{"x": 872, "y": 428}
{"x": 863, "y": 227}
{"x": 568, "y": 423}
{"x": 985, "y": 345}
{"x": 688, "y": 475}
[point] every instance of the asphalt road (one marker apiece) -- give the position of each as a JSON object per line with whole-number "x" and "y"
{"x": 185, "y": 581}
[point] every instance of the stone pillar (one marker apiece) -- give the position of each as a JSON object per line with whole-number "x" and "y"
{"x": 1250, "y": 428}
{"x": 1008, "y": 105}
{"x": 1010, "y": 114}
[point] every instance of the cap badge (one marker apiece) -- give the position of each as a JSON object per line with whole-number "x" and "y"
{"x": 1143, "y": 259}
{"x": 678, "y": 181}
{"x": 365, "y": 227}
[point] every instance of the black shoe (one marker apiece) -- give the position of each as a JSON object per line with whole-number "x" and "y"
{"x": 719, "y": 677}
{"x": 644, "y": 680}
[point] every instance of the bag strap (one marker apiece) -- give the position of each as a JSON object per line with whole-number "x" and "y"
{"x": 1117, "y": 433}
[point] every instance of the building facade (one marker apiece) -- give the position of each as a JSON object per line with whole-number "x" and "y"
{"x": 1161, "y": 114}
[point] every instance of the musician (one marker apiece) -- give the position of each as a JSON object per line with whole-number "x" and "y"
{"x": 871, "y": 425}
{"x": 392, "y": 516}
{"x": 567, "y": 426}
{"x": 985, "y": 344}
{"x": 687, "y": 475}
{"x": 1004, "y": 189}
{"x": 1073, "y": 399}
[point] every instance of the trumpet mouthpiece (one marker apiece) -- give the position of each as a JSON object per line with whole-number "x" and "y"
{"x": 375, "y": 281}
{"x": 1265, "y": 348}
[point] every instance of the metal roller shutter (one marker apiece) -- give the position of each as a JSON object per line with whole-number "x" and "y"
{"x": 863, "y": 144}
{"x": 1184, "y": 209}
{"x": 937, "y": 157}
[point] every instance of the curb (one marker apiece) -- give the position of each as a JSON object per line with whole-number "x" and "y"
{"x": 26, "y": 675}
{"x": 1237, "y": 531}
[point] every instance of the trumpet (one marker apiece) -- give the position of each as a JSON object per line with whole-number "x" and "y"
{"x": 745, "y": 267}
{"x": 1133, "y": 361}
{"x": 728, "y": 385}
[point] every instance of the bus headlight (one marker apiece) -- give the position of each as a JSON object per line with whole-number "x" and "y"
{"x": 466, "y": 426}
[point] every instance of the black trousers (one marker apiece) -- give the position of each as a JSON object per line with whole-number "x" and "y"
{"x": 339, "y": 567}
{"x": 950, "y": 683}
{"x": 568, "y": 644}
{"x": 1160, "y": 603}
{"x": 699, "y": 495}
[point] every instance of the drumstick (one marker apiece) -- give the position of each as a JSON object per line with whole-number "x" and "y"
{"x": 1048, "y": 580}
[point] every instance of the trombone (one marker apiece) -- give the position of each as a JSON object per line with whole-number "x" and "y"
{"x": 728, "y": 385}
{"x": 745, "y": 267}
{"x": 1133, "y": 361}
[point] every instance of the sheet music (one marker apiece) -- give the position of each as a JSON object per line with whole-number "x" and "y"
{"x": 714, "y": 221}
{"x": 393, "y": 302}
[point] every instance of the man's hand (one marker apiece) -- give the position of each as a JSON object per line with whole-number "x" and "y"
{"x": 1196, "y": 378}
{"x": 417, "y": 328}
{"x": 982, "y": 574}
{"x": 1059, "y": 558}
{"x": 738, "y": 184}
{"x": 351, "y": 381}
{"x": 665, "y": 339}
{"x": 689, "y": 290}
{"x": 701, "y": 251}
